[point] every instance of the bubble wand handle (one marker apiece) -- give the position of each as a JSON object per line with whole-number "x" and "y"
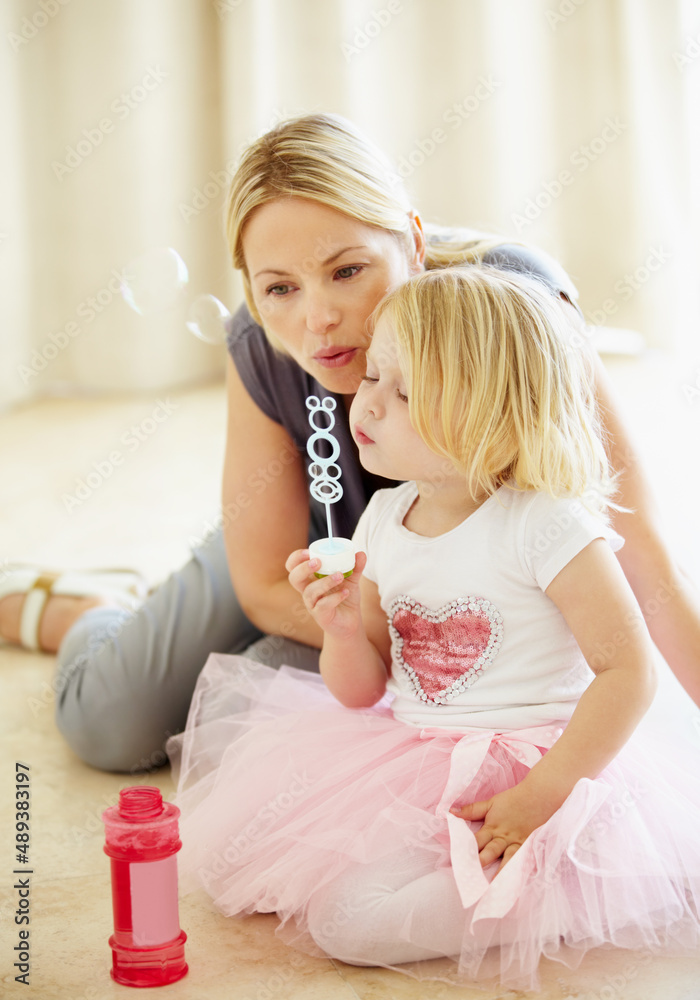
{"x": 325, "y": 487}
{"x": 324, "y": 471}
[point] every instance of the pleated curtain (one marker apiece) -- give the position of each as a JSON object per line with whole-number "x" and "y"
{"x": 571, "y": 124}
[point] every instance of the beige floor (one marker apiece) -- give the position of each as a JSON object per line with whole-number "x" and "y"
{"x": 159, "y": 495}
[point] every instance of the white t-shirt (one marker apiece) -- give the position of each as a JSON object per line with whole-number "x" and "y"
{"x": 476, "y": 643}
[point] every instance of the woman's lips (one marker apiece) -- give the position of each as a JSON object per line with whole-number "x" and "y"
{"x": 361, "y": 437}
{"x": 338, "y": 359}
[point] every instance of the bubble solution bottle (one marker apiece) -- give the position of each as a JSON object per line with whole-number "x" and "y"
{"x": 142, "y": 840}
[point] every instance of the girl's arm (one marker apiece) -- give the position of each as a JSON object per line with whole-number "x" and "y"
{"x": 355, "y": 655}
{"x": 595, "y": 599}
{"x": 265, "y": 509}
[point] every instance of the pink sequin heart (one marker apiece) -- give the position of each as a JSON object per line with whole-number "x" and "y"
{"x": 444, "y": 652}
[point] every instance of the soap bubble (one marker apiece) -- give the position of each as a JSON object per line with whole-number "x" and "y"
{"x": 206, "y": 319}
{"x": 153, "y": 281}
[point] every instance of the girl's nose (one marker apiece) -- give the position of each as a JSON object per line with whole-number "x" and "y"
{"x": 372, "y": 400}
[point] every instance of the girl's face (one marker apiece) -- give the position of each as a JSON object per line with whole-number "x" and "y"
{"x": 316, "y": 275}
{"x": 388, "y": 443}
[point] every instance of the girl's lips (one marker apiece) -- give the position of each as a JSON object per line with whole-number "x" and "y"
{"x": 361, "y": 437}
{"x": 339, "y": 360}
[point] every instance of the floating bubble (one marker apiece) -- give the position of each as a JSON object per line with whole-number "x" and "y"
{"x": 153, "y": 281}
{"x": 206, "y": 319}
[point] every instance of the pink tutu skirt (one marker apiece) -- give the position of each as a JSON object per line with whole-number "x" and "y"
{"x": 338, "y": 820}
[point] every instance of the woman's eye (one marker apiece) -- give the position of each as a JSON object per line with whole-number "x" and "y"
{"x": 369, "y": 378}
{"x": 278, "y": 290}
{"x": 350, "y": 271}
{"x": 401, "y": 396}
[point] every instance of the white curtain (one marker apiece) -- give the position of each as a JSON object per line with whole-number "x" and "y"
{"x": 571, "y": 124}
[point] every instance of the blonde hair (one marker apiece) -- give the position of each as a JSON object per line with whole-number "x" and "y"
{"x": 496, "y": 384}
{"x": 326, "y": 159}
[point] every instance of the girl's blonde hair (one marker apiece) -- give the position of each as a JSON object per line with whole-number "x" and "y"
{"x": 326, "y": 159}
{"x": 496, "y": 383}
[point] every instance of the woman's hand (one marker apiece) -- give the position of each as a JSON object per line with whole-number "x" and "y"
{"x": 509, "y": 819}
{"x": 333, "y": 601}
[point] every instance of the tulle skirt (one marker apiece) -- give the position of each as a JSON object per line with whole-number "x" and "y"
{"x": 338, "y": 820}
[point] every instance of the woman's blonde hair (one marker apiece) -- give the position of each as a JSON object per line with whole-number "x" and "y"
{"x": 497, "y": 384}
{"x": 326, "y": 159}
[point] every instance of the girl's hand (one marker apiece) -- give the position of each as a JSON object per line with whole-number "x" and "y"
{"x": 509, "y": 819}
{"x": 333, "y": 601}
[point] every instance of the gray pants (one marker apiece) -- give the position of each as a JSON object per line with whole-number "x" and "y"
{"x": 125, "y": 679}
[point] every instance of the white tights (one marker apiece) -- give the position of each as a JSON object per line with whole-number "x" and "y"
{"x": 391, "y": 912}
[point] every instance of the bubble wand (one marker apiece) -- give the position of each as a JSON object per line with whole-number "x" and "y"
{"x": 337, "y": 555}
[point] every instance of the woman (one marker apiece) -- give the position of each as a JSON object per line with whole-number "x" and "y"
{"x": 321, "y": 229}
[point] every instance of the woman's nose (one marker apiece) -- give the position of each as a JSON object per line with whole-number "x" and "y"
{"x": 321, "y": 314}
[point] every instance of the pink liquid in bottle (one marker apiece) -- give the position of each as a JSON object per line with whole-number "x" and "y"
{"x": 142, "y": 840}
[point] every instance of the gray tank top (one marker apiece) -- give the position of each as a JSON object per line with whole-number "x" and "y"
{"x": 279, "y": 387}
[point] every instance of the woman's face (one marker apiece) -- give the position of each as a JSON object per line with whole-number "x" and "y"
{"x": 316, "y": 276}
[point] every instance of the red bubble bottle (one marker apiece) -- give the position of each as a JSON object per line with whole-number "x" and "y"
{"x": 142, "y": 840}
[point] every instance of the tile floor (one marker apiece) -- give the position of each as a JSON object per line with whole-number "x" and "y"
{"x": 142, "y": 509}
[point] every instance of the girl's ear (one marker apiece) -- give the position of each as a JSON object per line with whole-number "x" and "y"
{"x": 416, "y": 263}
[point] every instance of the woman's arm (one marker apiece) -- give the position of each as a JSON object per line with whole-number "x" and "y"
{"x": 595, "y": 599}
{"x": 669, "y": 600}
{"x": 264, "y": 485}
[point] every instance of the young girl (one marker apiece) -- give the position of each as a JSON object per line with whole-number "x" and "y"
{"x": 466, "y": 786}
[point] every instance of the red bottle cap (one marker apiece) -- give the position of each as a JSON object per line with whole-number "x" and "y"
{"x": 142, "y": 827}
